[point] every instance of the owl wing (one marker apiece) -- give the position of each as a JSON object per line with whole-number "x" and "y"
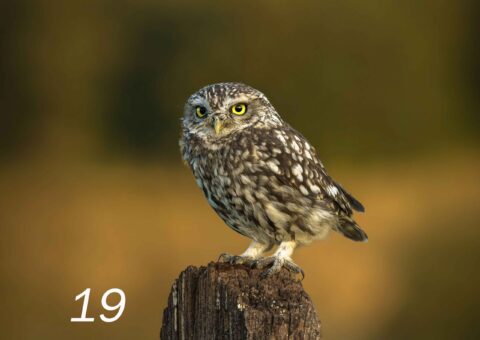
{"x": 300, "y": 167}
{"x": 338, "y": 194}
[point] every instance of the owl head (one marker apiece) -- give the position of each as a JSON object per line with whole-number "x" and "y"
{"x": 218, "y": 110}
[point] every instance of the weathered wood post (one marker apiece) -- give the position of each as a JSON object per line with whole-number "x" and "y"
{"x": 223, "y": 301}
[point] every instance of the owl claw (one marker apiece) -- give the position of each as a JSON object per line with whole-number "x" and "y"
{"x": 292, "y": 267}
{"x": 276, "y": 263}
{"x": 236, "y": 259}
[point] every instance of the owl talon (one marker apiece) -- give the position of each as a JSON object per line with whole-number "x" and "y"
{"x": 264, "y": 262}
{"x": 235, "y": 259}
{"x": 224, "y": 258}
{"x": 294, "y": 268}
{"x": 276, "y": 263}
{"x": 274, "y": 269}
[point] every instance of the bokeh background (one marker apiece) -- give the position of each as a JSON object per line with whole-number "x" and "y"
{"x": 93, "y": 193}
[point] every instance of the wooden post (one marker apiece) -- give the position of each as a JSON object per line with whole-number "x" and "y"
{"x": 223, "y": 301}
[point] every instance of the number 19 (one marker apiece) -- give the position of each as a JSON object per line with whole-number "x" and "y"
{"x": 120, "y": 306}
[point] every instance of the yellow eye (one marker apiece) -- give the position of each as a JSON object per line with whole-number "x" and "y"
{"x": 239, "y": 109}
{"x": 200, "y": 111}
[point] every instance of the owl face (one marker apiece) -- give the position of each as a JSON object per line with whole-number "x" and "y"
{"x": 219, "y": 110}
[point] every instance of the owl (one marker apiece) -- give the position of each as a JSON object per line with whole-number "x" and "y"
{"x": 261, "y": 176}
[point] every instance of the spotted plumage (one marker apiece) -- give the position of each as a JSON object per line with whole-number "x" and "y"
{"x": 261, "y": 176}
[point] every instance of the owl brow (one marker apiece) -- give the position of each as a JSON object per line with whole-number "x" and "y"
{"x": 253, "y": 100}
{"x": 242, "y": 99}
{"x": 199, "y": 101}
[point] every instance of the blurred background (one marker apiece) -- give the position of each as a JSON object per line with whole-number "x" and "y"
{"x": 93, "y": 193}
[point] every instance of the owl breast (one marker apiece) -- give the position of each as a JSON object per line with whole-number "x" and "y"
{"x": 251, "y": 179}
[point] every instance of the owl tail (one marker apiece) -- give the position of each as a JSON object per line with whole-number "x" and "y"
{"x": 350, "y": 229}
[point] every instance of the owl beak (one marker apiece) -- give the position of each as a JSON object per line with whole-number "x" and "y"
{"x": 217, "y": 126}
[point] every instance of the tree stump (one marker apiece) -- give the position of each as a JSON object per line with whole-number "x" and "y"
{"x": 223, "y": 301}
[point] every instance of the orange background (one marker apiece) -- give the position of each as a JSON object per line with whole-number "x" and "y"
{"x": 94, "y": 194}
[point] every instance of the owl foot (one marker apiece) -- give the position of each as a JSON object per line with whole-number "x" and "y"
{"x": 253, "y": 252}
{"x": 236, "y": 259}
{"x": 276, "y": 263}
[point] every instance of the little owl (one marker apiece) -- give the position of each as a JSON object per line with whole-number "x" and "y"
{"x": 262, "y": 177}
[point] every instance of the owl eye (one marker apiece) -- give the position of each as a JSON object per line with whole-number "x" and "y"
{"x": 200, "y": 111}
{"x": 239, "y": 109}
